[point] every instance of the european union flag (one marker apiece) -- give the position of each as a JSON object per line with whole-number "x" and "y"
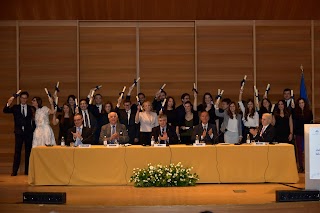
{"x": 303, "y": 89}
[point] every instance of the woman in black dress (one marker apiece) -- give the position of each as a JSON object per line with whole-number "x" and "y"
{"x": 65, "y": 121}
{"x": 302, "y": 115}
{"x": 283, "y": 123}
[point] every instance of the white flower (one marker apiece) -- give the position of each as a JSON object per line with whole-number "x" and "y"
{"x": 169, "y": 180}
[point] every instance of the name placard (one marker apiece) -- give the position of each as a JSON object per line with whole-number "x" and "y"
{"x": 160, "y": 145}
{"x": 199, "y": 144}
{"x": 260, "y": 143}
{"x": 112, "y": 145}
{"x": 84, "y": 146}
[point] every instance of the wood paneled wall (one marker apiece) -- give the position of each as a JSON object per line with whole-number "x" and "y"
{"x": 225, "y": 55}
{"x": 159, "y": 10}
{"x": 166, "y": 56}
{"x": 214, "y": 54}
{"x": 8, "y": 76}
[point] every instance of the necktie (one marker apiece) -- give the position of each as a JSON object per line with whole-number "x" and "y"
{"x": 262, "y": 131}
{"x": 113, "y": 130}
{"x": 205, "y": 127}
{"x": 128, "y": 116}
{"x": 162, "y": 131}
{"x": 86, "y": 119}
{"x": 23, "y": 113}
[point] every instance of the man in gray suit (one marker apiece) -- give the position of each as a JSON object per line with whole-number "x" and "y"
{"x": 114, "y": 131}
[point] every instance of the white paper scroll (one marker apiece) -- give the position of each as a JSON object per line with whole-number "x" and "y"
{"x": 243, "y": 82}
{"x": 135, "y": 82}
{"x": 272, "y": 108}
{"x": 163, "y": 86}
{"x": 76, "y": 100}
{"x": 220, "y": 93}
{"x": 267, "y": 90}
{"x": 56, "y": 89}
{"x": 124, "y": 89}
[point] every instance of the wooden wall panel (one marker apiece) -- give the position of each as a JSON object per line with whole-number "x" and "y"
{"x": 317, "y": 71}
{"x": 167, "y": 56}
{"x": 107, "y": 57}
{"x": 8, "y": 76}
{"x": 281, "y": 48}
{"x": 159, "y": 10}
{"x": 225, "y": 55}
{"x": 48, "y": 54}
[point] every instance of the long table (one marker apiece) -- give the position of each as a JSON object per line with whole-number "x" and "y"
{"x": 99, "y": 165}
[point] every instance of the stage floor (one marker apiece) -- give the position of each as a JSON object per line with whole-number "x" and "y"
{"x": 213, "y": 197}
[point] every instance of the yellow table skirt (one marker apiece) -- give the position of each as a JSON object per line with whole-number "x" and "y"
{"x": 99, "y": 165}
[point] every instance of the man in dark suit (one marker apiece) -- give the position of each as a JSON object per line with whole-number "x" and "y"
{"x": 164, "y": 133}
{"x": 127, "y": 117}
{"x": 114, "y": 132}
{"x": 79, "y": 134}
{"x": 158, "y": 100}
{"x": 89, "y": 120}
{"x": 205, "y": 130}
{"x": 23, "y": 129}
{"x": 266, "y": 132}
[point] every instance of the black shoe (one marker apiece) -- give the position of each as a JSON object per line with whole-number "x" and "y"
{"x": 13, "y": 174}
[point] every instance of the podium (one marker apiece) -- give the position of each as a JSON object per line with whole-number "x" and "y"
{"x": 312, "y": 156}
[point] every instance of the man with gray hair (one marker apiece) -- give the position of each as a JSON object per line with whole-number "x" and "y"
{"x": 266, "y": 132}
{"x": 114, "y": 131}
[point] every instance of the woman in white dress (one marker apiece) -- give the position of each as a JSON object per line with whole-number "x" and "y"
{"x": 43, "y": 134}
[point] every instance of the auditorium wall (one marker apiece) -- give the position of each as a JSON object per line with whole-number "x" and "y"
{"x": 214, "y": 54}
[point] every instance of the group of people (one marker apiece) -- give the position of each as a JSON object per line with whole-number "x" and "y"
{"x": 137, "y": 123}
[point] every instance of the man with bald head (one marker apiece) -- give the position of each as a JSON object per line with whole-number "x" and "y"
{"x": 114, "y": 131}
{"x": 266, "y": 132}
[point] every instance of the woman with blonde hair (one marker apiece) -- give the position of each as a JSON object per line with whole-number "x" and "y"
{"x": 147, "y": 120}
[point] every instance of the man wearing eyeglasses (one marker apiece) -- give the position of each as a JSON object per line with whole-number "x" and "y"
{"x": 79, "y": 134}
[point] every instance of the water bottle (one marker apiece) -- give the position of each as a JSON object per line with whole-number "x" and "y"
{"x": 152, "y": 141}
{"x": 248, "y": 139}
{"x": 197, "y": 139}
{"x": 105, "y": 141}
{"x": 63, "y": 143}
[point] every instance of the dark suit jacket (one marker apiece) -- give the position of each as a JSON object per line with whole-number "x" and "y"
{"x": 87, "y": 135}
{"x": 132, "y": 127}
{"x": 120, "y": 129}
{"x": 267, "y": 136}
{"x": 173, "y": 138}
{"x": 93, "y": 120}
{"x": 198, "y": 130}
{"x": 21, "y": 121}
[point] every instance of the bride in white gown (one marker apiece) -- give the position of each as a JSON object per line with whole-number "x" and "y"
{"x": 43, "y": 134}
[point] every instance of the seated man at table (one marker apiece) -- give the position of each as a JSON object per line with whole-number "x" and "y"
{"x": 79, "y": 134}
{"x": 164, "y": 133}
{"x": 206, "y": 131}
{"x": 114, "y": 131}
{"x": 266, "y": 132}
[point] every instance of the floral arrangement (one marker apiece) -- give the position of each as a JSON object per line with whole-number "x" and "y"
{"x": 164, "y": 176}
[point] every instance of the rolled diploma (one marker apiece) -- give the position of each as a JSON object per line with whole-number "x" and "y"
{"x": 291, "y": 95}
{"x": 136, "y": 81}
{"x": 57, "y": 98}
{"x": 244, "y": 78}
{"x": 163, "y": 86}
{"x": 57, "y": 86}
{"x": 47, "y": 92}
{"x": 164, "y": 102}
{"x": 92, "y": 93}
{"x": 76, "y": 100}
{"x": 266, "y": 92}
{"x": 19, "y": 91}
{"x": 97, "y": 87}
{"x": 272, "y": 108}
{"x": 218, "y": 99}
{"x": 124, "y": 89}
